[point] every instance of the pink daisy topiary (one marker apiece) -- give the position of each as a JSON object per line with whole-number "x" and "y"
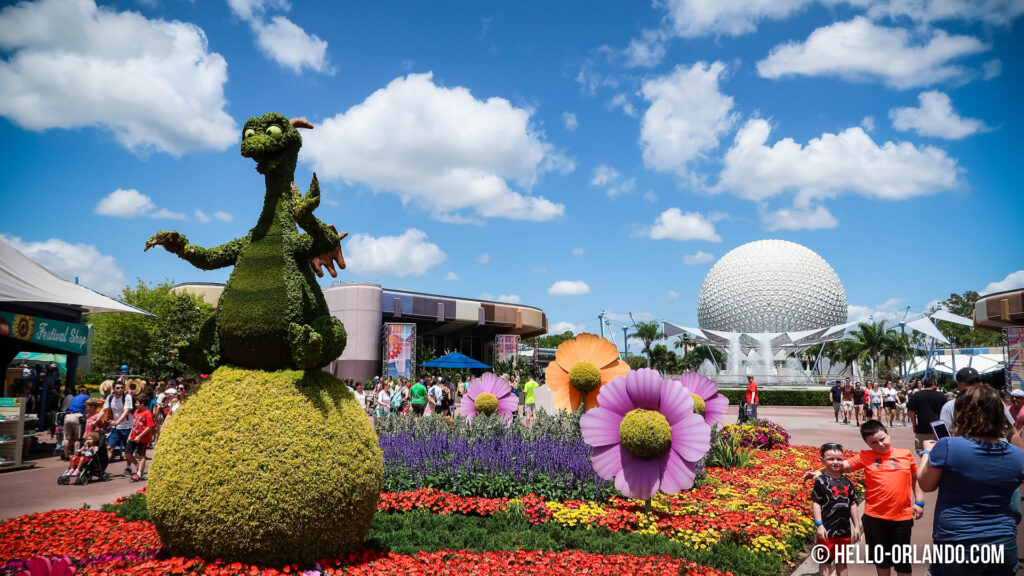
{"x": 42, "y": 566}
{"x": 489, "y": 394}
{"x": 646, "y": 435}
{"x": 706, "y": 399}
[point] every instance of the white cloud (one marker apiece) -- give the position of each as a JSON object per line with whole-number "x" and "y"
{"x": 692, "y": 18}
{"x": 93, "y": 269}
{"x": 935, "y": 117}
{"x": 132, "y": 204}
{"x": 290, "y": 46}
{"x": 992, "y": 69}
{"x": 487, "y": 296}
{"x": 674, "y": 225}
{"x": 578, "y": 251}
{"x": 1013, "y": 281}
{"x": 646, "y": 51}
{"x": 439, "y": 148}
{"x": 687, "y": 116}
{"x": 997, "y": 12}
{"x": 860, "y": 50}
{"x": 806, "y": 218}
{"x": 614, "y": 184}
{"x": 563, "y": 327}
{"x": 280, "y": 39}
{"x": 125, "y": 204}
{"x": 152, "y": 83}
{"x": 483, "y": 258}
{"x": 890, "y": 316}
{"x": 164, "y": 213}
{"x": 700, "y": 257}
{"x": 672, "y": 294}
{"x": 868, "y": 123}
{"x": 569, "y": 119}
{"x": 201, "y": 216}
{"x": 509, "y": 298}
{"x": 569, "y": 288}
{"x": 408, "y": 254}
{"x": 651, "y": 197}
{"x": 451, "y": 277}
{"x": 620, "y": 101}
{"x": 834, "y": 163}
{"x": 223, "y": 216}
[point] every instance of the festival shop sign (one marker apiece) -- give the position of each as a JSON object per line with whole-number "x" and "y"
{"x": 53, "y": 333}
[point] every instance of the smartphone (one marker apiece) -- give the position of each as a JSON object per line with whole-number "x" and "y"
{"x": 940, "y": 429}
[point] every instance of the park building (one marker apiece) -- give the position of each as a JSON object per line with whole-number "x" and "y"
{"x": 396, "y": 327}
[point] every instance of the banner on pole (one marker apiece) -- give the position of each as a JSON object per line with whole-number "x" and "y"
{"x": 399, "y": 350}
{"x": 506, "y": 347}
{"x": 1014, "y": 357}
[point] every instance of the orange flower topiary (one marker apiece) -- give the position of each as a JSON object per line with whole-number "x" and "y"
{"x": 580, "y": 368}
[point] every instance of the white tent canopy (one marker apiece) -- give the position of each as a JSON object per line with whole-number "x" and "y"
{"x": 22, "y": 280}
{"x": 983, "y": 363}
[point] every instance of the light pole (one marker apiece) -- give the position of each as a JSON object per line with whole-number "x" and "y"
{"x": 625, "y": 344}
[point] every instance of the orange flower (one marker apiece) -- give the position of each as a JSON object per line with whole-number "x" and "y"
{"x": 581, "y": 366}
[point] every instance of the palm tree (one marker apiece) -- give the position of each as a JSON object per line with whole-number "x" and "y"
{"x": 897, "y": 348}
{"x": 647, "y": 332}
{"x": 871, "y": 337}
{"x": 847, "y": 352}
{"x": 686, "y": 342}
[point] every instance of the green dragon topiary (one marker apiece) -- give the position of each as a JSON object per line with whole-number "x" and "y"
{"x": 272, "y": 314}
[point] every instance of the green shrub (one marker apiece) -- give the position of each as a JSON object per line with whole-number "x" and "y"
{"x": 411, "y": 532}
{"x": 132, "y": 508}
{"x": 726, "y": 451}
{"x": 269, "y": 468}
{"x": 769, "y": 397}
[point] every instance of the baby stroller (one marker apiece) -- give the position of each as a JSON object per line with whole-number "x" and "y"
{"x": 92, "y": 470}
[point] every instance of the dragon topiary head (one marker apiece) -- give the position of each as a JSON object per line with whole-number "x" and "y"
{"x": 273, "y": 141}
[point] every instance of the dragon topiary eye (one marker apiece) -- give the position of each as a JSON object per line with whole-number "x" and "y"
{"x": 274, "y": 131}
{"x": 248, "y": 134}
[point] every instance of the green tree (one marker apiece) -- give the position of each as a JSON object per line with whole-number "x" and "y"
{"x": 686, "y": 342}
{"x": 695, "y": 357}
{"x": 871, "y": 337}
{"x": 664, "y": 359}
{"x": 647, "y": 333}
{"x": 553, "y": 340}
{"x": 897, "y": 349}
{"x": 965, "y": 336}
{"x": 148, "y": 345}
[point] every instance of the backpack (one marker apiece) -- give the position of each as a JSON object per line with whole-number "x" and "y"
{"x": 396, "y": 400}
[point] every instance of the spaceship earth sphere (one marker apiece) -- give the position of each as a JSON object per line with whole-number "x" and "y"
{"x": 771, "y": 286}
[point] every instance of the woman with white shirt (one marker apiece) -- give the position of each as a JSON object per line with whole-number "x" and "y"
{"x": 889, "y": 401}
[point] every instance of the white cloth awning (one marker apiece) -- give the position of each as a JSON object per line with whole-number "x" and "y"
{"x": 796, "y": 337}
{"x": 983, "y": 363}
{"x": 839, "y": 328}
{"x": 671, "y": 329}
{"x": 950, "y": 317}
{"x": 925, "y": 326}
{"x": 22, "y": 280}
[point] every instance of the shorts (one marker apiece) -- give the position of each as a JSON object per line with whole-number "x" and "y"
{"x": 887, "y": 534}
{"x": 890, "y": 404}
{"x": 1007, "y": 568}
{"x": 530, "y": 408}
{"x": 137, "y": 448}
{"x": 837, "y": 406}
{"x": 847, "y": 404}
{"x": 418, "y": 409}
{"x": 831, "y": 544}
{"x": 72, "y": 427}
{"x": 876, "y": 406}
{"x": 118, "y": 436}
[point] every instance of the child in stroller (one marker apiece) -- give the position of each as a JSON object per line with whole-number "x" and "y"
{"x": 89, "y": 463}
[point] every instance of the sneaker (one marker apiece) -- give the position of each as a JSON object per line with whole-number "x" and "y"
{"x": 128, "y": 471}
{"x": 136, "y": 477}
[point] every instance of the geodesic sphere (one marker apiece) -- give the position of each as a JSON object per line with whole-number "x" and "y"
{"x": 771, "y": 286}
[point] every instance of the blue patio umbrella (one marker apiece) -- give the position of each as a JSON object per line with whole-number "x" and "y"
{"x": 454, "y": 360}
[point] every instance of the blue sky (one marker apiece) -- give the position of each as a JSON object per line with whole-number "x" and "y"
{"x": 575, "y": 156}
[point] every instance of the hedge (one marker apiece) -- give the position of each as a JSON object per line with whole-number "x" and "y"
{"x": 771, "y": 397}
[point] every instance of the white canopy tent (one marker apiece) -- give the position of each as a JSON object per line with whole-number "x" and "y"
{"x": 983, "y": 363}
{"x": 22, "y": 280}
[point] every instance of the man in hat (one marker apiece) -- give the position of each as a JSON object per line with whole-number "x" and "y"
{"x": 1017, "y": 409}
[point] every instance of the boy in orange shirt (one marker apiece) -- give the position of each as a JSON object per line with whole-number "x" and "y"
{"x": 892, "y": 499}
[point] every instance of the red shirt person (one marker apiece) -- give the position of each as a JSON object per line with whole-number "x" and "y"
{"x": 751, "y": 398}
{"x": 138, "y": 439}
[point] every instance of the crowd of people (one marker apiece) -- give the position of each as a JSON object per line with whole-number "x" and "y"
{"x": 432, "y": 395}
{"x": 858, "y": 403}
{"x": 971, "y": 455}
{"x": 125, "y": 422}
